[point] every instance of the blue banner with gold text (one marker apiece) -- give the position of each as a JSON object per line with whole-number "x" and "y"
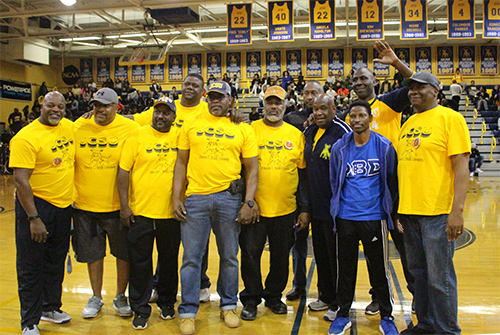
{"x": 336, "y": 60}
{"x": 445, "y": 60}
{"x": 157, "y": 72}
{"x": 175, "y": 68}
{"x": 194, "y": 64}
{"x": 273, "y": 63}
{"x": 404, "y": 55}
{"x": 491, "y": 18}
{"x": 489, "y": 60}
{"x": 139, "y": 73}
{"x": 413, "y": 19}
{"x": 214, "y": 64}
{"x": 359, "y": 58}
{"x": 322, "y": 20}
{"x": 239, "y": 24}
{"x": 121, "y": 72}
{"x": 370, "y": 20}
{"x": 254, "y": 64}
{"x": 233, "y": 64}
{"x": 280, "y": 21}
{"x": 423, "y": 59}
{"x": 86, "y": 69}
{"x": 379, "y": 69}
{"x": 461, "y": 19}
{"x": 103, "y": 69}
{"x": 466, "y": 59}
{"x": 314, "y": 66}
{"x": 294, "y": 62}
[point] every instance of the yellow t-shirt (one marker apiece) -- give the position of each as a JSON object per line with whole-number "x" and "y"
{"x": 216, "y": 146}
{"x": 145, "y": 118}
{"x": 281, "y": 152}
{"x": 98, "y": 152}
{"x": 425, "y": 172}
{"x": 150, "y": 156}
{"x": 386, "y": 121}
{"x": 50, "y": 152}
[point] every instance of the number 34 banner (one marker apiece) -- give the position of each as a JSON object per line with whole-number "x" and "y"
{"x": 370, "y": 20}
{"x": 413, "y": 19}
{"x": 239, "y": 24}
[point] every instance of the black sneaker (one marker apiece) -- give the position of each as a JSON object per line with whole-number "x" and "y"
{"x": 167, "y": 313}
{"x": 373, "y": 308}
{"x": 140, "y": 322}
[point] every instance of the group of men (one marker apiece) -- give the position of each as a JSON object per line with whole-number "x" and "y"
{"x": 180, "y": 175}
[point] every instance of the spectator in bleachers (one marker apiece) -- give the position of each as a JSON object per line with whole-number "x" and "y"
{"x": 226, "y": 78}
{"x": 174, "y": 95}
{"x": 125, "y": 86}
{"x": 331, "y": 92}
{"x": 471, "y": 91}
{"x": 265, "y": 80}
{"x": 300, "y": 83}
{"x": 155, "y": 88}
{"x": 495, "y": 96}
{"x": 286, "y": 80}
{"x": 385, "y": 87}
{"x": 398, "y": 78}
{"x": 211, "y": 79}
{"x": 339, "y": 77}
{"x": 256, "y": 84}
{"x": 342, "y": 93}
{"x": 149, "y": 101}
{"x": 458, "y": 78}
{"x": 330, "y": 79}
{"x": 482, "y": 99}
{"x": 396, "y": 85}
{"x": 133, "y": 96}
{"x": 262, "y": 94}
{"x": 254, "y": 114}
{"x": 348, "y": 79}
{"x": 456, "y": 91}
{"x": 235, "y": 82}
{"x": 475, "y": 160}
{"x": 109, "y": 83}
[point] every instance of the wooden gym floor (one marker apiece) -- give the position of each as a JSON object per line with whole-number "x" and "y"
{"x": 477, "y": 262}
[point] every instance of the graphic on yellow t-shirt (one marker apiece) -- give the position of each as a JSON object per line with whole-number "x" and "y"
{"x": 386, "y": 121}
{"x": 413, "y": 10}
{"x": 239, "y": 17}
{"x": 370, "y": 11}
{"x": 280, "y": 14}
{"x": 494, "y": 10}
{"x": 145, "y": 118}
{"x": 322, "y": 12}
{"x": 460, "y": 10}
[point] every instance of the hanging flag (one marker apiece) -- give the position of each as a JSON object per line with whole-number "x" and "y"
{"x": 139, "y": 73}
{"x": 336, "y": 60}
{"x": 214, "y": 64}
{"x": 489, "y": 63}
{"x": 380, "y": 69}
{"x": 370, "y": 20}
{"x": 423, "y": 59}
{"x": 491, "y": 19}
{"x": 233, "y": 64}
{"x": 280, "y": 21}
{"x": 314, "y": 66}
{"x": 359, "y": 58}
{"x": 294, "y": 62}
{"x": 86, "y": 69}
{"x": 273, "y": 63}
{"x": 445, "y": 60}
{"x": 194, "y": 64}
{"x": 413, "y": 15}
{"x": 461, "y": 19}
{"x": 175, "y": 68}
{"x": 103, "y": 70}
{"x": 404, "y": 55}
{"x": 466, "y": 59}
{"x": 322, "y": 20}
{"x": 121, "y": 72}
{"x": 254, "y": 64}
{"x": 239, "y": 24}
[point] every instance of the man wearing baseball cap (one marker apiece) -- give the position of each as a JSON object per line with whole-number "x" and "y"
{"x": 211, "y": 150}
{"x": 99, "y": 141}
{"x": 281, "y": 158}
{"x": 433, "y": 149}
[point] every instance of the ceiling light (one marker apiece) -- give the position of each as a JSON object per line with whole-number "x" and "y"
{"x": 68, "y": 2}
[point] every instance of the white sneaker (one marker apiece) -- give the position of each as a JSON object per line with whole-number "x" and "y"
{"x": 330, "y": 315}
{"x": 205, "y": 295}
{"x": 31, "y": 330}
{"x": 478, "y": 170}
{"x": 318, "y": 305}
{"x": 93, "y": 307}
{"x": 57, "y": 316}
{"x": 471, "y": 174}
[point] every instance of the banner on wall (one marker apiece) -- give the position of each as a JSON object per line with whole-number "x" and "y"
{"x": 175, "y": 68}
{"x": 336, "y": 60}
{"x": 214, "y": 64}
{"x": 314, "y": 63}
{"x": 370, "y": 15}
{"x": 380, "y": 69}
{"x": 15, "y": 91}
{"x": 121, "y": 72}
{"x": 280, "y": 21}
{"x": 86, "y": 69}
{"x": 157, "y": 72}
{"x": 139, "y": 73}
{"x": 489, "y": 62}
{"x": 322, "y": 20}
{"x": 491, "y": 19}
{"x": 413, "y": 15}
{"x": 423, "y": 59}
{"x": 273, "y": 63}
{"x": 254, "y": 62}
{"x": 294, "y": 62}
{"x": 233, "y": 64}
{"x": 404, "y": 55}
{"x": 239, "y": 24}
{"x": 445, "y": 60}
{"x": 466, "y": 59}
{"x": 194, "y": 64}
{"x": 103, "y": 69}
{"x": 461, "y": 19}
{"x": 359, "y": 58}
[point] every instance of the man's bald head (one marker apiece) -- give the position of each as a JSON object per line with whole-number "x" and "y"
{"x": 363, "y": 83}
{"x": 311, "y": 90}
{"x": 324, "y": 110}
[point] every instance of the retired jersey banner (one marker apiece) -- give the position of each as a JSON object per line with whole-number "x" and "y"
{"x": 254, "y": 64}
{"x": 175, "y": 68}
{"x": 314, "y": 65}
{"x": 15, "y": 90}
{"x": 239, "y": 24}
{"x": 157, "y": 72}
{"x": 194, "y": 64}
{"x": 336, "y": 60}
{"x": 103, "y": 69}
{"x": 466, "y": 59}
{"x": 370, "y": 20}
{"x": 233, "y": 64}
{"x": 423, "y": 59}
{"x": 404, "y": 55}
{"x": 413, "y": 19}
{"x": 489, "y": 60}
{"x": 280, "y": 21}
{"x": 461, "y": 19}
{"x": 139, "y": 73}
{"x": 445, "y": 60}
{"x": 273, "y": 63}
{"x": 379, "y": 69}
{"x": 121, "y": 72}
{"x": 86, "y": 69}
{"x": 359, "y": 58}
{"x": 294, "y": 62}
{"x": 322, "y": 20}
{"x": 491, "y": 19}
{"x": 214, "y": 64}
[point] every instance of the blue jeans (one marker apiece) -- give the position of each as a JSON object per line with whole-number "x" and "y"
{"x": 430, "y": 261}
{"x": 219, "y": 212}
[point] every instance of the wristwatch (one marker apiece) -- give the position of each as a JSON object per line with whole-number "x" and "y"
{"x": 250, "y": 203}
{"x": 33, "y": 217}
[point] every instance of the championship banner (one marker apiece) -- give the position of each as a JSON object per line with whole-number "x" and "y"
{"x": 214, "y": 64}
{"x": 86, "y": 69}
{"x": 280, "y": 21}
{"x": 294, "y": 62}
{"x": 359, "y": 58}
{"x": 254, "y": 64}
{"x": 103, "y": 69}
{"x": 423, "y": 59}
{"x": 239, "y": 24}
{"x": 314, "y": 63}
{"x": 139, "y": 73}
{"x": 194, "y": 64}
{"x": 445, "y": 60}
{"x": 380, "y": 69}
{"x": 273, "y": 63}
{"x": 157, "y": 72}
{"x": 466, "y": 59}
{"x": 175, "y": 68}
{"x": 14, "y": 90}
{"x": 370, "y": 20}
{"x": 489, "y": 62}
{"x": 322, "y": 20}
{"x": 336, "y": 60}
{"x": 413, "y": 15}
{"x": 491, "y": 19}
{"x": 404, "y": 55}
{"x": 461, "y": 19}
{"x": 233, "y": 64}
{"x": 121, "y": 72}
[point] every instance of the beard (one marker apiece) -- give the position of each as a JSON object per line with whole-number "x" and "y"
{"x": 273, "y": 118}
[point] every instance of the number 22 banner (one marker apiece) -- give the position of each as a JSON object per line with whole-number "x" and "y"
{"x": 239, "y": 24}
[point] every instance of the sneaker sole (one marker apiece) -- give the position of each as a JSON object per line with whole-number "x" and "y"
{"x": 372, "y": 313}
{"x": 163, "y": 317}
{"x": 347, "y": 326}
{"x": 90, "y": 316}
{"x": 140, "y": 327}
{"x": 122, "y": 314}
{"x": 318, "y": 309}
{"x": 43, "y": 318}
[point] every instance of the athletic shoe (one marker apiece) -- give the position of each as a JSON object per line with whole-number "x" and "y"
{"x": 296, "y": 293}
{"x": 56, "y": 316}
{"x": 387, "y": 326}
{"x": 318, "y": 305}
{"x": 140, "y": 322}
{"x": 205, "y": 295}
{"x": 31, "y": 330}
{"x": 93, "y": 307}
{"x": 478, "y": 170}
{"x": 230, "y": 318}
{"x": 167, "y": 312}
{"x": 154, "y": 296}
{"x": 339, "y": 325}
{"x": 417, "y": 331}
{"x": 471, "y": 174}
{"x": 330, "y": 315}
{"x": 120, "y": 303}
{"x": 373, "y": 308}
{"x": 187, "y": 326}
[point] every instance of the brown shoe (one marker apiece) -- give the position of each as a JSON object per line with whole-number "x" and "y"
{"x": 230, "y": 318}
{"x": 187, "y": 326}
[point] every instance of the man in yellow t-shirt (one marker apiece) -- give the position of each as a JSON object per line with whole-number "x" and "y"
{"x": 42, "y": 156}
{"x": 99, "y": 141}
{"x": 433, "y": 156}
{"x": 281, "y": 155}
{"x": 148, "y": 160}
{"x": 211, "y": 150}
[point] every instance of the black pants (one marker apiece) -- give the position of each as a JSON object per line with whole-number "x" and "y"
{"x": 40, "y": 266}
{"x": 374, "y": 236}
{"x": 280, "y": 232}
{"x": 325, "y": 254}
{"x": 141, "y": 237}
{"x": 300, "y": 258}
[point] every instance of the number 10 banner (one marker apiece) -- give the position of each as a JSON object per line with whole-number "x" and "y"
{"x": 413, "y": 19}
{"x": 239, "y": 24}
